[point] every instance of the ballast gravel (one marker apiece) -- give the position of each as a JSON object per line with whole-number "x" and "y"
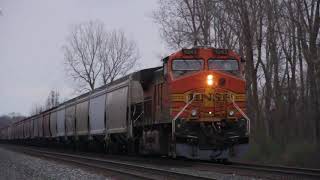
{"x": 18, "y": 166}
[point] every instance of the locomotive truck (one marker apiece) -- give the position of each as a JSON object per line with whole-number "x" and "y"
{"x": 193, "y": 106}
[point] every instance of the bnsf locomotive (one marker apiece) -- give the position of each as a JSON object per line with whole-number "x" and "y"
{"x": 193, "y": 106}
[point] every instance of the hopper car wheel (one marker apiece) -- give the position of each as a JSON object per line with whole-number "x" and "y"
{"x": 140, "y": 146}
{"x": 222, "y": 161}
{"x": 114, "y": 149}
{"x": 131, "y": 146}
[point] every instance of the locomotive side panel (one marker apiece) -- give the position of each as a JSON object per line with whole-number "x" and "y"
{"x": 97, "y": 114}
{"x": 61, "y": 122}
{"x": 53, "y": 124}
{"x": 117, "y": 110}
{"x": 82, "y": 118}
{"x": 70, "y": 120}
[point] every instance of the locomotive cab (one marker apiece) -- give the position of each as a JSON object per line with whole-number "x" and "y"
{"x": 207, "y": 101}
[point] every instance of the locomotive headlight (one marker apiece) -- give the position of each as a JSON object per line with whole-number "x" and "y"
{"x": 210, "y": 79}
{"x": 194, "y": 112}
{"x": 231, "y": 113}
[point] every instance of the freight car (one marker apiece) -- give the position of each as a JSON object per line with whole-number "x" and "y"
{"x": 193, "y": 106}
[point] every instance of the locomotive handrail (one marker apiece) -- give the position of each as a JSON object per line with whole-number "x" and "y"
{"x": 241, "y": 112}
{"x": 134, "y": 121}
{"x": 173, "y": 123}
{"x": 184, "y": 108}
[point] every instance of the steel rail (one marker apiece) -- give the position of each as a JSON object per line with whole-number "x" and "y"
{"x": 280, "y": 171}
{"x": 152, "y": 172}
{"x": 306, "y": 172}
{"x": 125, "y": 168}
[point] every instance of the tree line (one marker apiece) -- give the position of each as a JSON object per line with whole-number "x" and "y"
{"x": 10, "y": 118}
{"x": 280, "y": 43}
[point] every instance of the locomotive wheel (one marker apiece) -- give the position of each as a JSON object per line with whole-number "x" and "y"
{"x": 222, "y": 161}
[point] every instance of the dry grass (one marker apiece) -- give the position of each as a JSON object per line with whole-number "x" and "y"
{"x": 300, "y": 154}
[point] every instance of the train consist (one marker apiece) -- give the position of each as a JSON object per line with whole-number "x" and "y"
{"x": 193, "y": 106}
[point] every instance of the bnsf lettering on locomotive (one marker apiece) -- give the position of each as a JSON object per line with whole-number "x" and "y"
{"x": 216, "y": 97}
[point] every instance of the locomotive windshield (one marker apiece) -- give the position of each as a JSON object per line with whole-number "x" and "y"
{"x": 224, "y": 65}
{"x": 186, "y": 66}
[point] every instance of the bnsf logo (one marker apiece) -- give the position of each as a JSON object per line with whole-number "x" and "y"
{"x": 210, "y": 97}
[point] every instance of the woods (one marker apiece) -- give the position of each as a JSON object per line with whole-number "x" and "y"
{"x": 279, "y": 41}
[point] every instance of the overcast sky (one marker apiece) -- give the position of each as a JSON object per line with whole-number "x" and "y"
{"x": 32, "y": 33}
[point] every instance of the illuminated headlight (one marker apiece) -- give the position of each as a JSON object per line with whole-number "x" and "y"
{"x": 194, "y": 112}
{"x": 210, "y": 79}
{"x": 231, "y": 113}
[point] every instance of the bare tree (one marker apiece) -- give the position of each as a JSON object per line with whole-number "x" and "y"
{"x": 178, "y": 22}
{"x": 308, "y": 30}
{"x": 185, "y": 23}
{"x": 36, "y": 109}
{"x": 118, "y": 56}
{"x": 52, "y": 100}
{"x": 82, "y": 53}
{"x": 10, "y": 118}
{"x": 92, "y": 53}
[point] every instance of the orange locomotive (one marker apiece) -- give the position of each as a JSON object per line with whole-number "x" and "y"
{"x": 198, "y": 106}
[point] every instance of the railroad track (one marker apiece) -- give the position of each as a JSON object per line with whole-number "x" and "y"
{"x": 124, "y": 168}
{"x": 280, "y": 171}
{"x": 150, "y": 171}
{"x": 301, "y": 172}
